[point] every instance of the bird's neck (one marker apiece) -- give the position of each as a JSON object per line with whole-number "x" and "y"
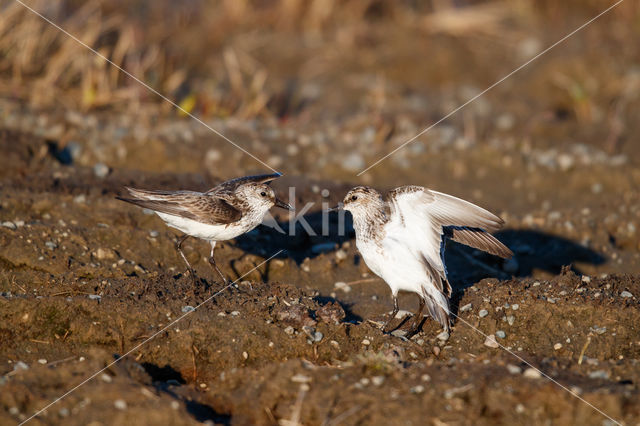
{"x": 370, "y": 222}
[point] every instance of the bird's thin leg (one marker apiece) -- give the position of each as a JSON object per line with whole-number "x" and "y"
{"x": 393, "y": 314}
{"x": 189, "y": 268}
{"x": 417, "y": 320}
{"x": 212, "y": 261}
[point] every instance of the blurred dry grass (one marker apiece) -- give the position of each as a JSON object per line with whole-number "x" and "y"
{"x": 199, "y": 52}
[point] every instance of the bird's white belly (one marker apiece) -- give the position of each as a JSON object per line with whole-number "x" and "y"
{"x": 203, "y": 230}
{"x": 400, "y": 267}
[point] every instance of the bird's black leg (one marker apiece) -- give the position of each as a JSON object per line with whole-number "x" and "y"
{"x": 417, "y": 320}
{"x": 212, "y": 261}
{"x": 189, "y": 268}
{"x": 393, "y": 314}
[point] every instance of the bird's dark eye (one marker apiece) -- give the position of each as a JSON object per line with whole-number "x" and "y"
{"x": 264, "y": 194}
{"x": 354, "y": 197}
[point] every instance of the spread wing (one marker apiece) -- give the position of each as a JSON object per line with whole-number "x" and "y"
{"x": 230, "y": 186}
{"x": 428, "y": 215}
{"x": 204, "y": 208}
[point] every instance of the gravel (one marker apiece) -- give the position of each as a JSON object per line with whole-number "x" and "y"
{"x": 532, "y": 373}
{"x": 491, "y": 342}
{"x": 101, "y": 170}
{"x": 9, "y": 225}
{"x": 483, "y": 313}
{"x": 599, "y": 374}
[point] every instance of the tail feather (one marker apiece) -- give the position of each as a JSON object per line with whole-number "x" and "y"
{"x": 438, "y": 308}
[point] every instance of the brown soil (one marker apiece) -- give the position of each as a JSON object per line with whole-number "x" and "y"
{"x": 86, "y": 280}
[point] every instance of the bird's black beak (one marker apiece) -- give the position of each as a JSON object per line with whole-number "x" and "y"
{"x": 283, "y": 205}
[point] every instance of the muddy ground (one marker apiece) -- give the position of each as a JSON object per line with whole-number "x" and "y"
{"x": 550, "y": 337}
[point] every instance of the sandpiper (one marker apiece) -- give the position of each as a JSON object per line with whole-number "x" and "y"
{"x": 404, "y": 245}
{"x": 226, "y": 211}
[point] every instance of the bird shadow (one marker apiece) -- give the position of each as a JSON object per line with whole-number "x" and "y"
{"x": 534, "y": 252}
{"x": 170, "y": 381}
{"x": 317, "y": 233}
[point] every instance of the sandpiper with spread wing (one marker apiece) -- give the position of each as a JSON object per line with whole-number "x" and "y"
{"x": 224, "y": 212}
{"x": 404, "y": 244}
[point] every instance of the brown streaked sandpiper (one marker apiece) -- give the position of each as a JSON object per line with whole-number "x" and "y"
{"x": 226, "y": 211}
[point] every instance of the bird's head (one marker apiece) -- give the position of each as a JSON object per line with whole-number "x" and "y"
{"x": 362, "y": 199}
{"x": 260, "y": 196}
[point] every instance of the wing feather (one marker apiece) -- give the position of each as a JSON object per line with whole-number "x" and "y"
{"x": 427, "y": 216}
{"x": 203, "y": 208}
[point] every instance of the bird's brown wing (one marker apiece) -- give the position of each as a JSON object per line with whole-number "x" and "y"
{"x": 228, "y": 187}
{"x": 203, "y": 208}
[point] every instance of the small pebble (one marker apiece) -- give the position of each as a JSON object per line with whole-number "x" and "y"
{"x": 599, "y": 374}
{"x": 514, "y": 369}
{"x": 340, "y": 285}
{"x": 9, "y": 225}
{"x": 466, "y": 307}
{"x": 444, "y": 336}
{"x": 515, "y": 306}
{"x": 436, "y": 350}
{"x": 532, "y": 373}
{"x": 120, "y": 404}
{"x": 511, "y": 319}
{"x": 63, "y": 412}
{"x": 501, "y": 334}
{"x": 154, "y": 234}
{"x": 377, "y": 380}
{"x": 106, "y": 378}
{"x": 483, "y": 313}
{"x": 245, "y": 355}
{"x": 557, "y": 346}
{"x": 235, "y": 313}
{"x": 425, "y": 378}
{"x": 366, "y": 342}
{"x": 188, "y": 308}
{"x": 42, "y": 361}
{"x": 301, "y": 378}
{"x": 490, "y": 341}
{"x": 20, "y": 366}
{"x": 101, "y": 170}
{"x": 417, "y": 389}
{"x": 95, "y": 297}
{"x": 399, "y": 333}
{"x": 626, "y": 294}
{"x": 51, "y": 245}
{"x": 289, "y": 330}
{"x": 317, "y": 336}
